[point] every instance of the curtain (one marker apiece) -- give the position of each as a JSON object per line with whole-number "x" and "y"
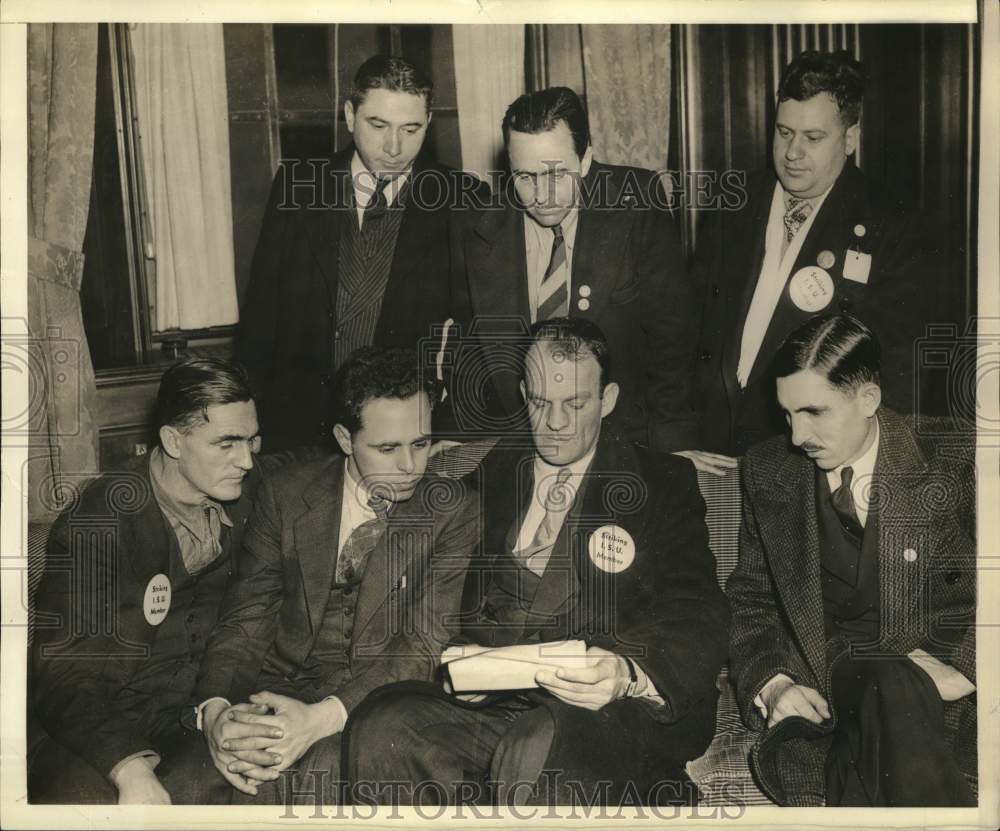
{"x": 62, "y": 86}
{"x": 180, "y": 78}
{"x": 489, "y": 75}
{"x": 627, "y": 74}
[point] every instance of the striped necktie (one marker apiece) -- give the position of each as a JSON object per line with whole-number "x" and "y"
{"x": 553, "y": 294}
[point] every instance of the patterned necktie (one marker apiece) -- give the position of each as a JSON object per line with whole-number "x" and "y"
{"x": 378, "y": 204}
{"x": 843, "y": 504}
{"x": 796, "y": 213}
{"x": 558, "y": 501}
{"x": 361, "y": 543}
{"x": 553, "y": 294}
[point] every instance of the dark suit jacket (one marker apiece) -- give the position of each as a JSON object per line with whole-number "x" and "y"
{"x": 924, "y": 498}
{"x": 275, "y": 603}
{"x": 665, "y": 610}
{"x": 91, "y": 633}
{"x": 729, "y": 256}
{"x": 286, "y": 335}
{"x": 627, "y": 251}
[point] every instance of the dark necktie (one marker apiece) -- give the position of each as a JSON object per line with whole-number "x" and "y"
{"x": 361, "y": 543}
{"x": 553, "y": 294}
{"x": 378, "y": 204}
{"x": 843, "y": 504}
{"x": 796, "y": 213}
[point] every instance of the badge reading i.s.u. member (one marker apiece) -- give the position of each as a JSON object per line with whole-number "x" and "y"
{"x": 611, "y": 548}
{"x": 811, "y": 288}
{"x": 156, "y": 601}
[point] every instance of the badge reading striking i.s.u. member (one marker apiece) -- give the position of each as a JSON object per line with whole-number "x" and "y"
{"x": 156, "y": 601}
{"x": 811, "y": 288}
{"x": 611, "y": 548}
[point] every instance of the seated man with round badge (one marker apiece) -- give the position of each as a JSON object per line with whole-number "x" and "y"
{"x": 135, "y": 571}
{"x": 595, "y": 624}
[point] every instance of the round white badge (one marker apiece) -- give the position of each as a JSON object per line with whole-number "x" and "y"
{"x": 156, "y": 601}
{"x": 611, "y": 548}
{"x": 583, "y": 304}
{"x": 811, "y": 288}
{"x": 584, "y": 291}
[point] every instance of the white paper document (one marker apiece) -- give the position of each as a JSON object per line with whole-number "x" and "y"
{"x": 510, "y": 667}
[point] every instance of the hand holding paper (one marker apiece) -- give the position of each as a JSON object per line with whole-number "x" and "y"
{"x": 481, "y": 668}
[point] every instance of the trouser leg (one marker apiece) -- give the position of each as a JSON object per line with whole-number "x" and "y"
{"x": 890, "y": 748}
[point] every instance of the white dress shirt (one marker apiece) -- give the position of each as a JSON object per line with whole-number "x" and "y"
{"x": 538, "y": 253}
{"x": 774, "y": 273}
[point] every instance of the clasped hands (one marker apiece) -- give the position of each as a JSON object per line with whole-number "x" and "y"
{"x": 253, "y": 742}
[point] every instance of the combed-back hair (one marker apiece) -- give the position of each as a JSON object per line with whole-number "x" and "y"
{"x": 836, "y": 73}
{"x": 838, "y": 347}
{"x": 576, "y": 338}
{"x": 393, "y": 74}
{"x": 378, "y": 372}
{"x": 542, "y": 110}
{"x": 190, "y": 387}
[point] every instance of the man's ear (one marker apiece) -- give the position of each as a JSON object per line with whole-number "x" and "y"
{"x": 609, "y": 398}
{"x": 170, "y": 438}
{"x": 343, "y": 437}
{"x": 871, "y": 398}
{"x": 851, "y": 138}
{"x": 586, "y": 161}
{"x": 349, "y": 115}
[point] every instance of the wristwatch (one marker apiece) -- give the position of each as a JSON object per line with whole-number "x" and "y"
{"x": 633, "y": 678}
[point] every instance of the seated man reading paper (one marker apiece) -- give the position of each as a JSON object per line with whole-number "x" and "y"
{"x": 587, "y": 540}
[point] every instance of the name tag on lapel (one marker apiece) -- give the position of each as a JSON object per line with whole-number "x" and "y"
{"x": 857, "y": 266}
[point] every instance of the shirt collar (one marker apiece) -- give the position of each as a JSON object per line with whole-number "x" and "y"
{"x": 863, "y": 468}
{"x": 545, "y": 473}
{"x": 363, "y": 181}
{"x": 537, "y": 235}
{"x": 163, "y": 476}
{"x": 815, "y": 201}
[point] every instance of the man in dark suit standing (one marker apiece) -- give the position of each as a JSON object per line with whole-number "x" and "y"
{"x": 815, "y": 235}
{"x": 586, "y": 537}
{"x": 578, "y": 238}
{"x": 854, "y": 599}
{"x": 134, "y": 576}
{"x": 353, "y": 251}
{"x": 351, "y": 568}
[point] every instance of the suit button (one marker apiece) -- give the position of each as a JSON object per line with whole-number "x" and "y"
{"x": 348, "y": 632}
{"x": 706, "y": 356}
{"x": 190, "y": 618}
{"x": 952, "y": 577}
{"x": 348, "y": 591}
{"x": 910, "y": 555}
{"x": 336, "y": 335}
{"x": 349, "y": 611}
{"x": 715, "y": 291}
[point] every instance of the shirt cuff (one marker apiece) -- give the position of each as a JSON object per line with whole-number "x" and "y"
{"x": 142, "y": 754}
{"x": 759, "y": 698}
{"x": 200, "y": 710}
{"x": 644, "y": 688}
{"x": 341, "y": 712}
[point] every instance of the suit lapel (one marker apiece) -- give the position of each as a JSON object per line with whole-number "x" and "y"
{"x": 322, "y": 226}
{"x": 498, "y": 287}
{"x": 599, "y": 243}
{"x": 793, "y": 549}
{"x": 391, "y": 560}
{"x": 316, "y": 533}
{"x": 904, "y": 528}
